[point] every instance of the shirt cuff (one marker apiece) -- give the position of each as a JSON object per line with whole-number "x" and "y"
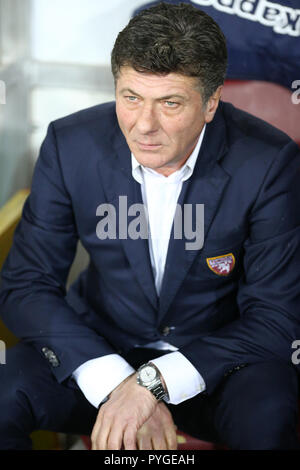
{"x": 182, "y": 379}
{"x": 98, "y": 377}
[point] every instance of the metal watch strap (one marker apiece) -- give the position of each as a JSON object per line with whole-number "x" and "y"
{"x": 157, "y": 388}
{"x": 158, "y": 391}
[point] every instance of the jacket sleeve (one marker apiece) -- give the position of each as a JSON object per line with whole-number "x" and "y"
{"x": 269, "y": 290}
{"x": 32, "y": 294}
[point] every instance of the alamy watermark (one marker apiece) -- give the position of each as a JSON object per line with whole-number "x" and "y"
{"x": 296, "y": 94}
{"x": 2, "y": 352}
{"x": 296, "y": 354}
{"x": 188, "y": 223}
{"x": 2, "y": 92}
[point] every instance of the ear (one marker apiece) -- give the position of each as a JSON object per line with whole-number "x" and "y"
{"x": 212, "y": 105}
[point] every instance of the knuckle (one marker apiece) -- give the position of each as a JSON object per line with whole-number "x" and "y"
{"x": 129, "y": 444}
{"x": 112, "y": 446}
{"x": 129, "y": 440}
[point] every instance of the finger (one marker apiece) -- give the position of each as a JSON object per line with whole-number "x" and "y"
{"x": 144, "y": 443}
{"x": 100, "y": 433}
{"x": 129, "y": 438}
{"x": 115, "y": 438}
{"x": 94, "y": 435}
{"x": 158, "y": 439}
{"x": 96, "y": 428}
{"x": 170, "y": 429}
{"x": 171, "y": 438}
{"x": 99, "y": 440}
{"x": 159, "y": 443}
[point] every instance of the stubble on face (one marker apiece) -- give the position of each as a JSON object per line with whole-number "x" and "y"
{"x": 161, "y": 117}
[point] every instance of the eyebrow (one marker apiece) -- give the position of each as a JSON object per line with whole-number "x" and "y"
{"x": 167, "y": 97}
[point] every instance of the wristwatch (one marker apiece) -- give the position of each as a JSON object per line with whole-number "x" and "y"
{"x": 149, "y": 377}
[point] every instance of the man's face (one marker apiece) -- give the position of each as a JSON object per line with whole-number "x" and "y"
{"x": 161, "y": 117}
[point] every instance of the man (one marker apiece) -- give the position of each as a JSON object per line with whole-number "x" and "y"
{"x": 210, "y": 328}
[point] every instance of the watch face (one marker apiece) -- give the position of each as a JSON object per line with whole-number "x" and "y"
{"x": 147, "y": 374}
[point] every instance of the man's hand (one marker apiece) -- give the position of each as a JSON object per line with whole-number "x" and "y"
{"x": 159, "y": 431}
{"x": 128, "y": 408}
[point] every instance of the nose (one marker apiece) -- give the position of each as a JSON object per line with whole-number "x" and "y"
{"x": 147, "y": 120}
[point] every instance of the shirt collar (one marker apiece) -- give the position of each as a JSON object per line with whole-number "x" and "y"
{"x": 182, "y": 174}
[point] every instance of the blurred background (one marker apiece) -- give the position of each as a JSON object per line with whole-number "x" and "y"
{"x": 54, "y": 59}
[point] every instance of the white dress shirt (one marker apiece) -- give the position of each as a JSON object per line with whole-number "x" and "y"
{"x": 98, "y": 377}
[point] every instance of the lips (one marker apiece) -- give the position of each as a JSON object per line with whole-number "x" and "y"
{"x": 145, "y": 146}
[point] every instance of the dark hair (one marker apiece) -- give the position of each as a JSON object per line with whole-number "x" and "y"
{"x": 173, "y": 38}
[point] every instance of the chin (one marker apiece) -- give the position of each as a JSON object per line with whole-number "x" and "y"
{"x": 148, "y": 162}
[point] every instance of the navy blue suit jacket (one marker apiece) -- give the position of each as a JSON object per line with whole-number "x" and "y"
{"x": 247, "y": 176}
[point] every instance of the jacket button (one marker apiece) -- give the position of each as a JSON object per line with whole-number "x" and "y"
{"x": 228, "y": 372}
{"x": 165, "y": 331}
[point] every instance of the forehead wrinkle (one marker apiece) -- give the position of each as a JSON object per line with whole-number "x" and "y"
{"x": 170, "y": 87}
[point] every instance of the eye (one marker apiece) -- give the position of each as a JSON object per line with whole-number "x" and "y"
{"x": 131, "y": 99}
{"x": 171, "y": 104}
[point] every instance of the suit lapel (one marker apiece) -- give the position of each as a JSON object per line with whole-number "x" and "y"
{"x": 117, "y": 179}
{"x": 206, "y": 186}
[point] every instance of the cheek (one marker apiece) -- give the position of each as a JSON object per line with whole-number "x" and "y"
{"x": 187, "y": 129}
{"x": 125, "y": 119}
{"x": 177, "y": 132}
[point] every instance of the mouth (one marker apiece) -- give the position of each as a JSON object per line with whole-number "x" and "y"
{"x": 143, "y": 146}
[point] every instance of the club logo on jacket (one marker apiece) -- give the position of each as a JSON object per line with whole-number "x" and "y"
{"x": 221, "y": 265}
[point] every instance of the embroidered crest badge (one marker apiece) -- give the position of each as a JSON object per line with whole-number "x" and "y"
{"x": 221, "y": 265}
